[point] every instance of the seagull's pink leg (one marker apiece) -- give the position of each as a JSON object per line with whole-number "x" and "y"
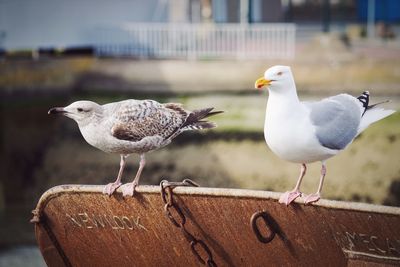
{"x": 316, "y": 196}
{"x": 111, "y": 187}
{"x": 289, "y": 196}
{"x": 129, "y": 188}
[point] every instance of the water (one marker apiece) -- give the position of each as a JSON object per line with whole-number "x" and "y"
{"x": 21, "y": 256}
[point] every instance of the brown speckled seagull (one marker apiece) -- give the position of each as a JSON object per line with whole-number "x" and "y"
{"x": 133, "y": 126}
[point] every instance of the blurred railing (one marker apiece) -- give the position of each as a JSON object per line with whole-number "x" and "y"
{"x": 198, "y": 41}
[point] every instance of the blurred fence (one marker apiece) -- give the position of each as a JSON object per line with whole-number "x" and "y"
{"x": 198, "y": 41}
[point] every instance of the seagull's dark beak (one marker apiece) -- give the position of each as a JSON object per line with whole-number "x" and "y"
{"x": 57, "y": 111}
{"x": 260, "y": 83}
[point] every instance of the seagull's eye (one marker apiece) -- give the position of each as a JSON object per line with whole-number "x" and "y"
{"x": 279, "y": 73}
{"x": 79, "y": 109}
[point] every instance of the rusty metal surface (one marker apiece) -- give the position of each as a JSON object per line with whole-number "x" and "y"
{"x": 79, "y": 226}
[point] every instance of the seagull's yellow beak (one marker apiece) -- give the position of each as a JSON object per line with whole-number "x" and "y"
{"x": 260, "y": 83}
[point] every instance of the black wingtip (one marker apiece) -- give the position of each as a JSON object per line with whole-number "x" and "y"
{"x": 198, "y": 115}
{"x": 214, "y": 113}
{"x": 364, "y": 99}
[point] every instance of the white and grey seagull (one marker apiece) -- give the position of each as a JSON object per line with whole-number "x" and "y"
{"x": 133, "y": 126}
{"x": 305, "y": 132}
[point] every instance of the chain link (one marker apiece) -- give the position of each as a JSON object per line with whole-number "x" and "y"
{"x": 179, "y": 220}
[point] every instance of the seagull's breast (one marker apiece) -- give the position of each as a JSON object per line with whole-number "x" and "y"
{"x": 291, "y": 136}
{"x": 99, "y": 136}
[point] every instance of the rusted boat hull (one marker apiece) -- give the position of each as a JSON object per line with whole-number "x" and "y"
{"x": 79, "y": 226}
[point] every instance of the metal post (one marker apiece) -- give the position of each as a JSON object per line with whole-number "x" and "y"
{"x": 244, "y": 11}
{"x": 326, "y": 15}
{"x": 371, "y": 19}
{"x": 289, "y": 11}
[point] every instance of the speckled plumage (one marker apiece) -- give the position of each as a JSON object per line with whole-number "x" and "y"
{"x": 133, "y": 126}
{"x": 148, "y": 118}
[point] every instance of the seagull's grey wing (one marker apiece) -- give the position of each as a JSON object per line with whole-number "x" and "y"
{"x": 148, "y": 118}
{"x": 336, "y": 120}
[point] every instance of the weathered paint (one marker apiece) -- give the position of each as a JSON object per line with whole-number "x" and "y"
{"x": 79, "y": 226}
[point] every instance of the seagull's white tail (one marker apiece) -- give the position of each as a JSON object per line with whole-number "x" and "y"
{"x": 373, "y": 115}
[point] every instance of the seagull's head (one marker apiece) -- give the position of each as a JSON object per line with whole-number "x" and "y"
{"x": 80, "y": 111}
{"x": 276, "y": 78}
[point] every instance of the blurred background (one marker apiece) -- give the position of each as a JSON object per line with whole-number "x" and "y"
{"x": 200, "y": 53}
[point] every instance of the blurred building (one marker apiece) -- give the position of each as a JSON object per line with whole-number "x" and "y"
{"x": 26, "y": 24}
{"x": 45, "y": 23}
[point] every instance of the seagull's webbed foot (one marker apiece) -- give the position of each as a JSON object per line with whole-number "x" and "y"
{"x": 128, "y": 189}
{"x": 312, "y": 198}
{"x": 289, "y": 196}
{"x": 110, "y": 188}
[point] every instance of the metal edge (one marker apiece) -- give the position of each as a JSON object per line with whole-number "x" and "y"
{"x": 218, "y": 192}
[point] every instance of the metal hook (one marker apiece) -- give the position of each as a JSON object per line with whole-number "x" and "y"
{"x": 253, "y": 221}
